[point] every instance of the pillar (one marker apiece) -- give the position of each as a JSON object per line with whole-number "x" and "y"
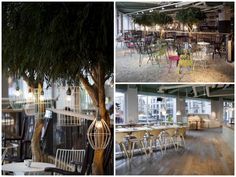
{"x": 217, "y": 110}
{"x": 132, "y": 105}
{"x": 180, "y": 106}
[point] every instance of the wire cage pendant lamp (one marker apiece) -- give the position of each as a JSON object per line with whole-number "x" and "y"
{"x": 98, "y": 133}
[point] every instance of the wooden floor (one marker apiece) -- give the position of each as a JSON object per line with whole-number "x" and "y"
{"x": 205, "y": 154}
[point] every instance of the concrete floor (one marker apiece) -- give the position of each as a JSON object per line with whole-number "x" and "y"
{"x": 205, "y": 154}
{"x": 128, "y": 70}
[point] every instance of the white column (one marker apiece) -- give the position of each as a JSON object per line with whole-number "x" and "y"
{"x": 132, "y": 105}
{"x": 217, "y": 110}
{"x": 180, "y": 107}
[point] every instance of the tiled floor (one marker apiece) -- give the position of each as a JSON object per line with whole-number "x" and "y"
{"x": 128, "y": 70}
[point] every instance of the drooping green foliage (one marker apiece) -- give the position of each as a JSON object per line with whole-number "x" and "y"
{"x": 190, "y": 16}
{"x": 57, "y": 40}
{"x": 161, "y": 18}
{"x": 145, "y": 20}
{"x": 153, "y": 19}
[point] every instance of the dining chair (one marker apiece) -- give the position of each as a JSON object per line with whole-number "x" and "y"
{"x": 120, "y": 136}
{"x": 154, "y": 137}
{"x": 180, "y": 134}
{"x": 139, "y": 140}
{"x": 129, "y": 43}
{"x": 185, "y": 62}
{"x": 67, "y": 161}
{"x": 172, "y": 56}
{"x": 142, "y": 49}
{"x": 168, "y": 138}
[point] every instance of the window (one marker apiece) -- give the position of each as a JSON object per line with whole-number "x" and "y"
{"x": 149, "y": 109}
{"x": 120, "y": 107}
{"x": 197, "y": 106}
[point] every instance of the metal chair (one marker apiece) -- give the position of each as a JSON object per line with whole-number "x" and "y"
{"x": 172, "y": 56}
{"x": 67, "y": 164}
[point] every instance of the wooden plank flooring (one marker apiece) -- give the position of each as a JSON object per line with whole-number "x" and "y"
{"x": 205, "y": 154}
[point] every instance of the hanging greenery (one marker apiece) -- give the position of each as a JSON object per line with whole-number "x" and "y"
{"x": 190, "y": 16}
{"x": 145, "y": 20}
{"x": 161, "y": 18}
{"x": 153, "y": 19}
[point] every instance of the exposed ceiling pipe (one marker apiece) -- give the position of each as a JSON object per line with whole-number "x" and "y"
{"x": 162, "y": 88}
{"x": 153, "y": 8}
{"x": 217, "y": 95}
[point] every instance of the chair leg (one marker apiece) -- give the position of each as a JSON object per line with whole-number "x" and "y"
{"x": 140, "y": 60}
{"x": 183, "y": 141}
{"x": 125, "y": 151}
{"x": 132, "y": 151}
{"x": 160, "y": 146}
{"x": 144, "y": 148}
{"x": 172, "y": 139}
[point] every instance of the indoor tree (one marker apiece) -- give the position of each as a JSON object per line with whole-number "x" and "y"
{"x": 60, "y": 42}
{"x": 190, "y": 16}
{"x": 161, "y": 19}
{"x": 143, "y": 20}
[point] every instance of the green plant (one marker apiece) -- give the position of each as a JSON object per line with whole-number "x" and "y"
{"x": 145, "y": 20}
{"x": 190, "y": 16}
{"x": 161, "y": 18}
{"x": 170, "y": 118}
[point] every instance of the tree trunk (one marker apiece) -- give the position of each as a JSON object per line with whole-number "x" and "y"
{"x": 39, "y": 123}
{"x": 98, "y": 97}
{"x": 35, "y": 142}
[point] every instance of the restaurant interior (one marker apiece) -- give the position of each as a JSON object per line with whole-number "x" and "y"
{"x": 174, "y": 41}
{"x": 56, "y": 96}
{"x": 174, "y": 129}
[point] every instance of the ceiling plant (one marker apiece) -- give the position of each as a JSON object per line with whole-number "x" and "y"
{"x": 60, "y": 42}
{"x": 190, "y": 16}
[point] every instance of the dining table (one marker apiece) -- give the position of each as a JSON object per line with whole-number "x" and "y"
{"x": 19, "y": 168}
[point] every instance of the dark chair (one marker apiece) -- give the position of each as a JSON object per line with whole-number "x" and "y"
{"x": 141, "y": 49}
{"x": 20, "y": 140}
{"x": 86, "y": 166}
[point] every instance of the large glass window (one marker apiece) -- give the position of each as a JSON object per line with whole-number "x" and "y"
{"x": 150, "y": 109}
{"x": 120, "y": 107}
{"x": 197, "y": 106}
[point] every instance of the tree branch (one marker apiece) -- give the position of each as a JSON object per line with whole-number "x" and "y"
{"x": 92, "y": 91}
